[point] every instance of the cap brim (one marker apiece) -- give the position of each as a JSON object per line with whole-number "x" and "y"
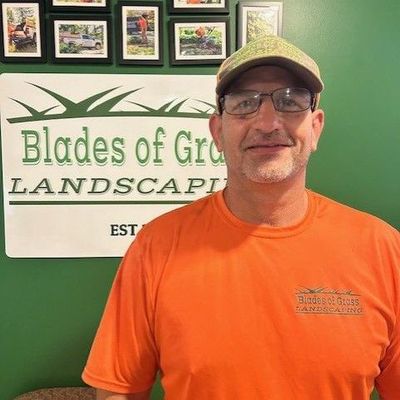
{"x": 311, "y": 81}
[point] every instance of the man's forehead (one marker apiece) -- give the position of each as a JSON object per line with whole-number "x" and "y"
{"x": 267, "y": 74}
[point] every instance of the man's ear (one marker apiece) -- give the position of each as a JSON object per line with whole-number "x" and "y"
{"x": 318, "y": 118}
{"x": 215, "y": 126}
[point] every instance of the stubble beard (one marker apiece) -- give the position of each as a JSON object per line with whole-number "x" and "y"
{"x": 274, "y": 169}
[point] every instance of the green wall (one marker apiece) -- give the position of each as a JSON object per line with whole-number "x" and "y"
{"x": 50, "y": 307}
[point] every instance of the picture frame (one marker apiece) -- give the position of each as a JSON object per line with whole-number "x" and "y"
{"x": 198, "y": 6}
{"x": 22, "y": 36}
{"x": 80, "y": 6}
{"x": 200, "y": 40}
{"x": 139, "y": 36}
{"x": 80, "y": 38}
{"x": 256, "y": 18}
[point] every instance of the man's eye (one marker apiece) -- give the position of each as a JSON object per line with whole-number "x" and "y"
{"x": 245, "y": 103}
{"x": 288, "y": 102}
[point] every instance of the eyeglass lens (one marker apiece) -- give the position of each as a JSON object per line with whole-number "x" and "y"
{"x": 283, "y": 99}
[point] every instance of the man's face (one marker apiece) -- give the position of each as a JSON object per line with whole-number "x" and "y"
{"x": 267, "y": 146}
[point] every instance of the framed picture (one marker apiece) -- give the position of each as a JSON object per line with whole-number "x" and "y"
{"x": 203, "y": 40}
{"x": 140, "y": 33}
{"x": 198, "y": 6}
{"x": 22, "y": 38}
{"x": 82, "y": 6}
{"x": 258, "y": 18}
{"x": 78, "y": 39}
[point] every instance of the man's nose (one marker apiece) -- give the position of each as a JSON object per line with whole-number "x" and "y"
{"x": 267, "y": 118}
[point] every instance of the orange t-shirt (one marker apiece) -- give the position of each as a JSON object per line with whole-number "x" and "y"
{"x": 142, "y": 22}
{"x": 231, "y": 310}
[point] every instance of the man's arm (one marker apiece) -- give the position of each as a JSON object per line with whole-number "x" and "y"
{"x": 106, "y": 395}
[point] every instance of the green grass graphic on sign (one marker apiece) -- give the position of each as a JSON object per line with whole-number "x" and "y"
{"x": 86, "y": 108}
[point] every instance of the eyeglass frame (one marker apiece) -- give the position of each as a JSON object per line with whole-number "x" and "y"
{"x": 312, "y": 106}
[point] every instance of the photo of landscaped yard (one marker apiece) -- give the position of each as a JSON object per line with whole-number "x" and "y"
{"x": 195, "y": 40}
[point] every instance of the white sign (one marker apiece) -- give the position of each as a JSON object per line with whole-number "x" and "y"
{"x": 89, "y": 159}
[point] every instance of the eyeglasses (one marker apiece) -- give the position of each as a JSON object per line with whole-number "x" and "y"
{"x": 288, "y": 100}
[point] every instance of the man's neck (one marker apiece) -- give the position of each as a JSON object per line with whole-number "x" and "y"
{"x": 275, "y": 204}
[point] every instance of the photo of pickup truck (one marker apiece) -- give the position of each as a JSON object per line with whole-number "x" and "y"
{"x": 81, "y": 38}
{"x": 84, "y": 41}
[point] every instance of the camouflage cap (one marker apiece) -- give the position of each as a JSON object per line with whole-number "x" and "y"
{"x": 269, "y": 50}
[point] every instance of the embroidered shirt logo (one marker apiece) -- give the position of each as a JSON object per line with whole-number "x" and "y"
{"x": 323, "y": 300}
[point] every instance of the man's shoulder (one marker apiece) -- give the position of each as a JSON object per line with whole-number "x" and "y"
{"x": 352, "y": 218}
{"x": 159, "y": 238}
{"x": 187, "y": 215}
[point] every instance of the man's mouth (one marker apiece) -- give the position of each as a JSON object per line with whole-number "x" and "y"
{"x": 268, "y": 145}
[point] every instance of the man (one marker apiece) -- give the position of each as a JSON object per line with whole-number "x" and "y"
{"x": 265, "y": 290}
{"x": 200, "y": 33}
{"x": 143, "y": 25}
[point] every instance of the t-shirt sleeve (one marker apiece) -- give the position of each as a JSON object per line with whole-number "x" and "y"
{"x": 388, "y": 382}
{"x": 124, "y": 357}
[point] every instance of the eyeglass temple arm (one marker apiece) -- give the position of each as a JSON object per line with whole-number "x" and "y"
{"x": 314, "y": 101}
{"x": 220, "y": 104}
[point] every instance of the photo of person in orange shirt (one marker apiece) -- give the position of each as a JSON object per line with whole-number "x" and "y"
{"x": 143, "y": 26}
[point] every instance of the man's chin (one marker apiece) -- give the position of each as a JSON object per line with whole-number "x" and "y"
{"x": 275, "y": 172}
{"x": 270, "y": 175}
{"x": 269, "y": 179}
